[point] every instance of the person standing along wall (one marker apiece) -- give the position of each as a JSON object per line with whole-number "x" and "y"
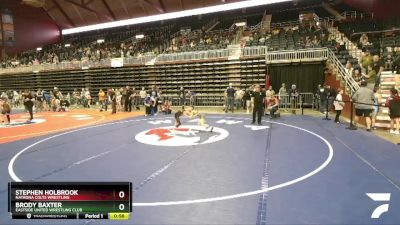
{"x": 364, "y": 96}
{"x": 294, "y": 98}
{"x": 339, "y": 104}
{"x": 182, "y": 96}
{"x": 230, "y": 94}
{"x": 128, "y": 99}
{"x": 143, "y": 95}
{"x": 113, "y": 99}
{"x": 283, "y": 96}
{"x": 394, "y": 111}
{"x": 102, "y": 99}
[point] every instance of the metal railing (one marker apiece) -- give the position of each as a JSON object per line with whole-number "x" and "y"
{"x": 301, "y": 55}
{"x": 198, "y": 55}
{"x": 76, "y": 65}
{"x": 344, "y": 75}
{"x": 254, "y": 51}
{"x": 303, "y": 100}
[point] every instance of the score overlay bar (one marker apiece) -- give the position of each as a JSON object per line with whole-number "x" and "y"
{"x": 72, "y": 200}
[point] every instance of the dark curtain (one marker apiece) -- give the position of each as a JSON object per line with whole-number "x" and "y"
{"x": 305, "y": 76}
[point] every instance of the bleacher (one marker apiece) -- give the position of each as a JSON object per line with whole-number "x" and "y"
{"x": 203, "y": 78}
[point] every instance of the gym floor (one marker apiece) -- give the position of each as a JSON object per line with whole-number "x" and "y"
{"x": 296, "y": 169}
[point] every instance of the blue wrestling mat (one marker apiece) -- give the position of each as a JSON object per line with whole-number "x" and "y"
{"x": 291, "y": 170}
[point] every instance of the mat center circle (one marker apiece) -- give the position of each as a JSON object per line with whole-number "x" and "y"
{"x": 182, "y": 136}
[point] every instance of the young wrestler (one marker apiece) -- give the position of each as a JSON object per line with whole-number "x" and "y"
{"x": 190, "y": 112}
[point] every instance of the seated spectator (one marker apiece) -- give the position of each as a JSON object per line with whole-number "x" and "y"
{"x": 364, "y": 40}
{"x": 366, "y": 59}
{"x": 349, "y": 67}
{"x": 166, "y": 107}
{"x": 357, "y": 76}
{"x": 273, "y": 106}
{"x": 389, "y": 62}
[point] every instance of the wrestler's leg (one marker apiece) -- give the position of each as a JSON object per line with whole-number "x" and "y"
{"x": 177, "y": 119}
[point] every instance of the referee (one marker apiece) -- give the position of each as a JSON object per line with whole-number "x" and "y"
{"x": 258, "y": 104}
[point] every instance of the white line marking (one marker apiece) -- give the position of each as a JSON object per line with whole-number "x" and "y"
{"x": 204, "y": 200}
{"x": 79, "y": 116}
{"x": 92, "y": 157}
{"x": 254, "y": 127}
{"x": 59, "y": 115}
{"x": 84, "y": 118}
{"x": 57, "y": 130}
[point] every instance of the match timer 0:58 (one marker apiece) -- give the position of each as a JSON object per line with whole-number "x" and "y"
{"x": 118, "y": 216}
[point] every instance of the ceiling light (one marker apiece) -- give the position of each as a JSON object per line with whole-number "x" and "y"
{"x": 240, "y": 24}
{"x": 139, "y": 36}
{"x": 173, "y": 15}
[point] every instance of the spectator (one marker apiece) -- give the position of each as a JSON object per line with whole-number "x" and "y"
{"x": 39, "y": 101}
{"x": 135, "y": 98}
{"x": 389, "y": 62}
{"x": 113, "y": 99}
{"x": 166, "y": 107}
{"x": 283, "y": 98}
{"x": 364, "y": 99}
{"x": 182, "y": 96}
{"x": 366, "y": 60}
{"x": 378, "y": 67}
{"x": 364, "y": 41}
{"x": 88, "y": 98}
{"x": 118, "y": 95}
{"x": 230, "y": 94}
{"x": 143, "y": 95}
{"x": 349, "y": 67}
{"x": 273, "y": 106}
{"x": 269, "y": 93}
{"x": 128, "y": 99}
{"x": 339, "y": 104}
{"x": 294, "y": 98}
{"x": 147, "y": 105}
{"x": 239, "y": 99}
{"x": 357, "y": 76}
{"x": 102, "y": 100}
{"x": 377, "y": 102}
{"x": 28, "y": 103}
{"x": 394, "y": 111}
{"x": 370, "y": 77}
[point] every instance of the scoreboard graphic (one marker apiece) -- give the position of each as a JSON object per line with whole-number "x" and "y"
{"x": 77, "y": 200}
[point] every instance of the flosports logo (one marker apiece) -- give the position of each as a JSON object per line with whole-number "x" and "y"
{"x": 183, "y": 136}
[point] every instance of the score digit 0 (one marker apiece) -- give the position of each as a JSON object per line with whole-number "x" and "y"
{"x": 121, "y": 194}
